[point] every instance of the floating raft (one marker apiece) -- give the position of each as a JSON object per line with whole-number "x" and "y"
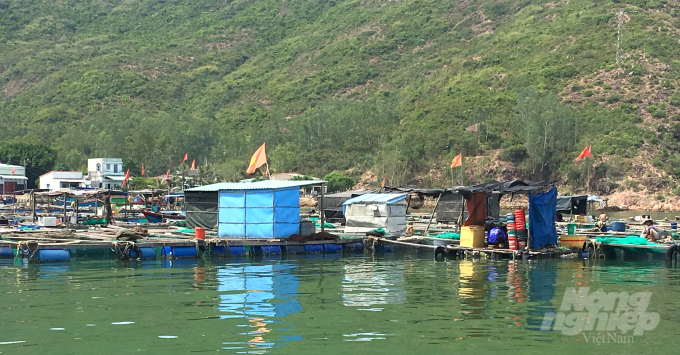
{"x": 452, "y": 248}
{"x": 50, "y": 245}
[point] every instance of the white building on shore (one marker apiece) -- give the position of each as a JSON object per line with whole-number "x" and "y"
{"x": 105, "y": 173}
{"x": 63, "y": 180}
{"x": 12, "y": 178}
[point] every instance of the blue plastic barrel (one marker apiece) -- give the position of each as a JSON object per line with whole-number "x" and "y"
{"x": 295, "y": 249}
{"x": 332, "y": 248}
{"x": 147, "y": 253}
{"x": 266, "y": 249}
{"x": 6, "y": 252}
{"x": 219, "y": 250}
{"x": 355, "y": 246}
{"x": 674, "y": 225}
{"x": 237, "y": 250}
{"x": 618, "y": 226}
{"x": 180, "y": 252}
{"x": 51, "y": 255}
{"x": 314, "y": 248}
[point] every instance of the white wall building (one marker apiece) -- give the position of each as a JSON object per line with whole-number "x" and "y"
{"x": 105, "y": 173}
{"x": 12, "y": 182}
{"x": 63, "y": 180}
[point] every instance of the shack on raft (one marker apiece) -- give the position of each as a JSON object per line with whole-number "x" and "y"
{"x": 259, "y": 210}
{"x": 481, "y": 203}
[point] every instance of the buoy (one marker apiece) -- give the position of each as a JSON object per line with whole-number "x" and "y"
{"x": 520, "y": 220}
{"x": 512, "y": 241}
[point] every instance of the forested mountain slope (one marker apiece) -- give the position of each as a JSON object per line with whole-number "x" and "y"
{"x": 397, "y": 87}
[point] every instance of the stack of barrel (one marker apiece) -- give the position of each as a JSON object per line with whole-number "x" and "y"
{"x": 512, "y": 234}
{"x": 521, "y": 227}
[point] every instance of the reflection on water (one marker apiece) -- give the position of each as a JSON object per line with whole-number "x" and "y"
{"x": 316, "y": 305}
{"x": 368, "y": 284}
{"x": 259, "y": 294}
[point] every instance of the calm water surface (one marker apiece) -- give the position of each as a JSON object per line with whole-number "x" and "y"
{"x": 318, "y": 305}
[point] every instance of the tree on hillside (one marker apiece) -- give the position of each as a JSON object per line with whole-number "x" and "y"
{"x": 38, "y": 159}
{"x": 338, "y": 182}
{"x": 547, "y": 128}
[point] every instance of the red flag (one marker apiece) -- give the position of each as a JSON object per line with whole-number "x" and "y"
{"x": 167, "y": 175}
{"x": 457, "y": 161}
{"x": 258, "y": 159}
{"x": 127, "y": 177}
{"x": 142, "y": 169}
{"x": 193, "y": 164}
{"x": 589, "y": 148}
{"x": 584, "y": 153}
{"x": 186, "y": 157}
{"x": 13, "y": 170}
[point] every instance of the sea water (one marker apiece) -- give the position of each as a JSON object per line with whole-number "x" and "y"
{"x": 394, "y": 304}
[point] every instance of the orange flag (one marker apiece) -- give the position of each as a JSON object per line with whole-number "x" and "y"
{"x": 186, "y": 157}
{"x": 258, "y": 159}
{"x": 13, "y": 170}
{"x": 384, "y": 182}
{"x": 127, "y": 177}
{"x": 584, "y": 153}
{"x": 193, "y": 164}
{"x": 457, "y": 161}
{"x": 142, "y": 169}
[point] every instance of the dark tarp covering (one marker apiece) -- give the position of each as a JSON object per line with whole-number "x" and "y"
{"x": 332, "y": 204}
{"x": 542, "y": 219}
{"x": 512, "y": 186}
{"x": 201, "y": 208}
{"x": 572, "y": 204}
{"x": 450, "y": 208}
{"x": 337, "y": 199}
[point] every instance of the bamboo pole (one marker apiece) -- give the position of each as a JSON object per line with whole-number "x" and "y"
{"x": 322, "y": 213}
{"x": 432, "y": 216}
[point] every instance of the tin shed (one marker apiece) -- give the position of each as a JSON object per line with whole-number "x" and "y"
{"x": 263, "y": 209}
{"x": 370, "y": 211}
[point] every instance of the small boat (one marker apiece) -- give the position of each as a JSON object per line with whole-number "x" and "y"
{"x": 158, "y": 217}
{"x": 83, "y": 203}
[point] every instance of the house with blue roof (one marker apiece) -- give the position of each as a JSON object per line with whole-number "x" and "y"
{"x": 264, "y": 209}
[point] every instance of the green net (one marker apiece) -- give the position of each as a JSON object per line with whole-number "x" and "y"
{"x": 94, "y": 221}
{"x": 180, "y": 223}
{"x": 325, "y": 225}
{"x": 379, "y": 230}
{"x": 630, "y": 240}
{"x": 449, "y": 235}
{"x": 184, "y": 230}
{"x": 314, "y": 218}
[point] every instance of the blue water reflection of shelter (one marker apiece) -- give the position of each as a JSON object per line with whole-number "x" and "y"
{"x": 263, "y": 209}
{"x": 258, "y": 291}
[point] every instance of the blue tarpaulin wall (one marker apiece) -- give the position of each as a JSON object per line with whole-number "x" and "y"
{"x": 542, "y": 208}
{"x": 266, "y": 213}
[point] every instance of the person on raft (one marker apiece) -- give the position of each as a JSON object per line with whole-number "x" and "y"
{"x": 602, "y": 222}
{"x": 496, "y": 236}
{"x": 651, "y": 232}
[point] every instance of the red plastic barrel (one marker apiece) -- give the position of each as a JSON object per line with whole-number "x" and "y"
{"x": 520, "y": 220}
{"x": 200, "y": 233}
{"x": 512, "y": 242}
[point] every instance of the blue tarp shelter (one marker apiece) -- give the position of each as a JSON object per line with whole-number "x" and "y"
{"x": 263, "y": 209}
{"x": 542, "y": 208}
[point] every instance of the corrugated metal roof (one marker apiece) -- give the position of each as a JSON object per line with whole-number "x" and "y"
{"x": 260, "y": 185}
{"x": 376, "y": 198}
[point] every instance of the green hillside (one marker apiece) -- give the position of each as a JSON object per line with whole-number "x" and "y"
{"x": 397, "y": 87}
